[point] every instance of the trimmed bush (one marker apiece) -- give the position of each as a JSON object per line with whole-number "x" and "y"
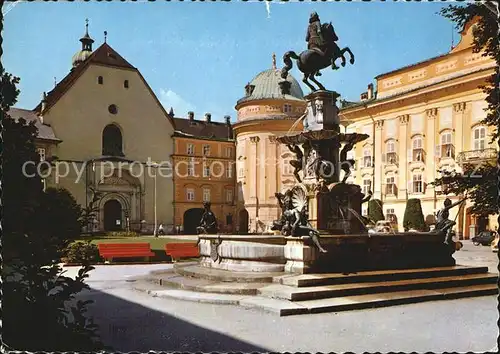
{"x": 414, "y": 217}
{"x": 375, "y": 212}
{"x": 82, "y": 252}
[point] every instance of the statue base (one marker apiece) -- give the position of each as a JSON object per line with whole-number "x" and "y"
{"x": 322, "y": 111}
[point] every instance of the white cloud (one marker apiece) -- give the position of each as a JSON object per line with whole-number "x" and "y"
{"x": 169, "y": 98}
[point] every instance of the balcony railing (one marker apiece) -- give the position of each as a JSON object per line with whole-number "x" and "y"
{"x": 477, "y": 155}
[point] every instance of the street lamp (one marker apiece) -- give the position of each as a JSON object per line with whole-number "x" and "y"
{"x": 155, "y": 165}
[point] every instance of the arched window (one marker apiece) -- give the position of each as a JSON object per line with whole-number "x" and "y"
{"x": 125, "y": 83}
{"x": 112, "y": 141}
{"x": 100, "y": 80}
{"x": 479, "y": 138}
{"x": 418, "y": 153}
{"x": 390, "y": 149}
{"x": 446, "y": 141}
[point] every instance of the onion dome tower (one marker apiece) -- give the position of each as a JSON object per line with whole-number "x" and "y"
{"x": 86, "y": 50}
{"x": 271, "y": 107}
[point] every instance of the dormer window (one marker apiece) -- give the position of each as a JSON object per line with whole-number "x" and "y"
{"x": 249, "y": 89}
{"x": 125, "y": 84}
{"x": 100, "y": 80}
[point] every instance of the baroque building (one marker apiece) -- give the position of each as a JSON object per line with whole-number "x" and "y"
{"x": 204, "y": 154}
{"x": 266, "y": 111}
{"x": 423, "y": 118}
{"x": 105, "y": 132}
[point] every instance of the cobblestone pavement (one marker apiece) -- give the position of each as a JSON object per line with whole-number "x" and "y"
{"x": 134, "y": 321}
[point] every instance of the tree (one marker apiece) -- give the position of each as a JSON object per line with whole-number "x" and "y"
{"x": 483, "y": 190}
{"x": 375, "y": 212}
{"x": 39, "y": 309}
{"x": 477, "y": 183}
{"x": 414, "y": 217}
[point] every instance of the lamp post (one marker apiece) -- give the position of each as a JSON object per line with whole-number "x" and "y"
{"x": 155, "y": 231}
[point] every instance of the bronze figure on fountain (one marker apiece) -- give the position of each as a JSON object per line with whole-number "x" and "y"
{"x": 322, "y": 52}
{"x": 208, "y": 222}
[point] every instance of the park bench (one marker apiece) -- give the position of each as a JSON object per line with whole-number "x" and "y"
{"x": 182, "y": 250}
{"x": 109, "y": 251}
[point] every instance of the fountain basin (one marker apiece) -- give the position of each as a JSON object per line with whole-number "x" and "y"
{"x": 346, "y": 253}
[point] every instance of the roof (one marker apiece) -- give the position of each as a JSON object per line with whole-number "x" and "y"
{"x": 411, "y": 65}
{"x": 202, "y": 130}
{"x": 104, "y": 55}
{"x": 267, "y": 86}
{"x": 45, "y": 132}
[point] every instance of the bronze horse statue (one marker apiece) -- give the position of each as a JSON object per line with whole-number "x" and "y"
{"x": 310, "y": 61}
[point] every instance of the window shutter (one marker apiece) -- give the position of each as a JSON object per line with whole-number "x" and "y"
{"x": 409, "y": 187}
{"x": 438, "y": 151}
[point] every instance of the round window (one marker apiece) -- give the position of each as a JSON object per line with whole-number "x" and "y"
{"x": 113, "y": 109}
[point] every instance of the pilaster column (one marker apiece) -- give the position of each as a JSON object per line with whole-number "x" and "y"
{"x": 378, "y": 151}
{"x": 432, "y": 143}
{"x": 252, "y": 168}
{"x": 404, "y": 146}
{"x": 272, "y": 180}
{"x": 458, "y": 126}
{"x": 262, "y": 175}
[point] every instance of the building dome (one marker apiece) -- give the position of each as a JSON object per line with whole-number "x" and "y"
{"x": 266, "y": 85}
{"x": 80, "y": 57}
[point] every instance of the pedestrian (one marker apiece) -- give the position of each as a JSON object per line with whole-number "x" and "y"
{"x": 161, "y": 231}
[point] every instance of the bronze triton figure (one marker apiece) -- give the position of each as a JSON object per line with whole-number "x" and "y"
{"x": 208, "y": 222}
{"x": 322, "y": 52}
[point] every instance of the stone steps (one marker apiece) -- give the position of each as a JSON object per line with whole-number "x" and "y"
{"x": 305, "y": 280}
{"x": 192, "y": 270}
{"x": 341, "y": 290}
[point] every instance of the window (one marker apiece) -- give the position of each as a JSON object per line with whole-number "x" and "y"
{"x": 229, "y": 195}
{"x": 206, "y": 150}
{"x": 229, "y": 151}
{"x": 418, "y": 184}
{"x": 241, "y": 172}
{"x": 191, "y": 168}
{"x": 125, "y": 83}
{"x": 190, "y": 194}
{"x": 447, "y": 149}
{"x": 206, "y": 194}
{"x": 113, "y": 109}
{"x": 287, "y": 108}
{"x": 367, "y": 186}
{"x": 41, "y": 153}
{"x": 112, "y": 141}
{"x": 418, "y": 153}
{"x": 100, "y": 80}
{"x": 364, "y": 211}
{"x": 206, "y": 170}
{"x": 287, "y": 168}
{"x": 390, "y": 215}
{"x": 479, "y": 138}
{"x": 390, "y": 187}
{"x": 367, "y": 157}
{"x": 190, "y": 149}
{"x": 229, "y": 170}
{"x": 391, "y": 157}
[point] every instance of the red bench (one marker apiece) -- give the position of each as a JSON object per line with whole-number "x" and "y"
{"x": 182, "y": 250}
{"x": 125, "y": 250}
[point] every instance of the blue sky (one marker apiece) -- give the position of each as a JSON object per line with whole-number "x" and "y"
{"x": 199, "y": 56}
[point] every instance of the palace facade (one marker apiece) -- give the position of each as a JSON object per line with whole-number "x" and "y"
{"x": 204, "y": 154}
{"x": 423, "y": 118}
{"x": 265, "y": 112}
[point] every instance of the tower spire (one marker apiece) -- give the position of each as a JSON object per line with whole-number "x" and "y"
{"x": 86, "y": 40}
{"x": 274, "y": 61}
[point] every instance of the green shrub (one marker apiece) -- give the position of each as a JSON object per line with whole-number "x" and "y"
{"x": 414, "y": 217}
{"x": 82, "y": 252}
{"x": 375, "y": 212}
{"x": 120, "y": 234}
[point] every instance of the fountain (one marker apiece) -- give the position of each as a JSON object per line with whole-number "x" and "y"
{"x": 321, "y": 231}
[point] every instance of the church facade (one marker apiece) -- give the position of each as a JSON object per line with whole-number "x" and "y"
{"x": 104, "y": 132}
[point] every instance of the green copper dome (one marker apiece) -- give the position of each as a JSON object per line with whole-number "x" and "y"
{"x": 266, "y": 86}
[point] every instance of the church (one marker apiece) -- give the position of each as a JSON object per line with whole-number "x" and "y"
{"x": 106, "y": 133}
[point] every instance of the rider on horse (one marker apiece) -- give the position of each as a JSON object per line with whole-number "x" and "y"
{"x": 314, "y": 38}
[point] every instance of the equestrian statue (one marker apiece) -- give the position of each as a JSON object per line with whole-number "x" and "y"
{"x": 322, "y": 51}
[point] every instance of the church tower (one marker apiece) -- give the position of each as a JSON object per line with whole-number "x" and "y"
{"x": 86, "y": 50}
